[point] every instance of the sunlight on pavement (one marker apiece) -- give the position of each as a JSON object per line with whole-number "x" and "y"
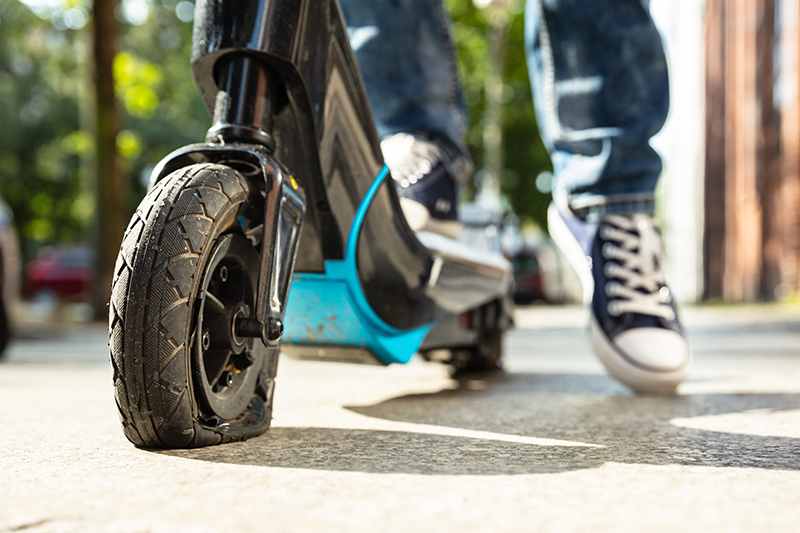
{"x": 758, "y": 422}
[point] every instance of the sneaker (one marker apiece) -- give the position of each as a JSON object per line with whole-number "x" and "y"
{"x": 425, "y": 174}
{"x": 634, "y": 325}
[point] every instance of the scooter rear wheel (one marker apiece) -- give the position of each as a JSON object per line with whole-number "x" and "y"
{"x": 187, "y": 270}
{"x": 486, "y": 354}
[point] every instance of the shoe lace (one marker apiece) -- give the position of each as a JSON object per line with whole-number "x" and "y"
{"x": 636, "y": 261}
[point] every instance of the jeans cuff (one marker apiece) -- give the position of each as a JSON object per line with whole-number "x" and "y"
{"x": 593, "y": 208}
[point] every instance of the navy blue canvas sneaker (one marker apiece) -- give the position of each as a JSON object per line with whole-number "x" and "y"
{"x": 634, "y": 326}
{"x": 425, "y": 174}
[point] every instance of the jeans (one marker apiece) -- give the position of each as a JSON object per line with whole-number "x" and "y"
{"x": 598, "y": 73}
{"x": 408, "y": 62}
{"x": 599, "y": 79}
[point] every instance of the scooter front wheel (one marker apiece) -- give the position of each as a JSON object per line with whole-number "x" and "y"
{"x": 186, "y": 272}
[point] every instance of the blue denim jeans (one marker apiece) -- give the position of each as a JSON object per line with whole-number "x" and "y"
{"x": 600, "y": 85}
{"x": 408, "y": 62}
{"x": 599, "y": 78}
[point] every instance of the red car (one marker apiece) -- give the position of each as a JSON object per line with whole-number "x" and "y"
{"x": 528, "y": 279}
{"x": 61, "y": 271}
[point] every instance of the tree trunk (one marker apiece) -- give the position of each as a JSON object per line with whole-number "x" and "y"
{"x": 109, "y": 182}
{"x": 768, "y": 157}
{"x": 493, "y": 89}
{"x": 750, "y": 206}
{"x": 715, "y": 170}
{"x": 788, "y": 197}
{"x": 743, "y": 233}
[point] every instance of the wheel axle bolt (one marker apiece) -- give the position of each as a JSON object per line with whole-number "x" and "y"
{"x": 274, "y": 329}
{"x": 247, "y": 327}
{"x": 206, "y": 340}
{"x": 223, "y": 273}
{"x": 226, "y": 378}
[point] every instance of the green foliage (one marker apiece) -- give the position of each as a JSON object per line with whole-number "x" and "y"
{"x": 524, "y": 154}
{"x": 161, "y": 107}
{"x": 46, "y": 146}
{"x": 136, "y": 82}
{"x": 41, "y": 141}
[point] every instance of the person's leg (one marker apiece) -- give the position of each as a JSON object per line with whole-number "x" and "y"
{"x": 599, "y": 78}
{"x": 408, "y": 63}
{"x": 409, "y": 67}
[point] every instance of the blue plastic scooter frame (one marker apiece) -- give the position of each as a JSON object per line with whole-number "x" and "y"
{"x": 331, "y": 308}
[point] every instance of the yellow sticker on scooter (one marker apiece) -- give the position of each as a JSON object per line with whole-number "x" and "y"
{"x": 294, "y": 183}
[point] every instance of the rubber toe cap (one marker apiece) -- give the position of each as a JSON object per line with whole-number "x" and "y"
{"x": 654, "y": 349}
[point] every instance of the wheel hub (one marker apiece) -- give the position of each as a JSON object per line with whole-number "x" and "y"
{"x": 227, "y": 364}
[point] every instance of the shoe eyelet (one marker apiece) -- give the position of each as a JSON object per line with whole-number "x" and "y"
{"x": 664, "y": 293}
{"x": 607, "y": 250}
{"x": 613, "y": 309}
{"x": 404, "y": 184}
{"x": 612, "y": 288}
{"x": 442, "y": 205}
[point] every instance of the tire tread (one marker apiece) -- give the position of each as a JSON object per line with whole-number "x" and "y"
{"x": 155, "y": 274}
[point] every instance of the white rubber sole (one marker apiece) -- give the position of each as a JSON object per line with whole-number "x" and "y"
{"x": 637, "y": 378}
{"x": 419, "y": 219}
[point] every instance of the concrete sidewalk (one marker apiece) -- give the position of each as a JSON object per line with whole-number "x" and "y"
{"x": 552, "y": 444}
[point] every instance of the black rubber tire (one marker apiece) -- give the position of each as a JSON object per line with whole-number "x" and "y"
{"x": 486, "y": 355}
{"x": 154, "y": 310}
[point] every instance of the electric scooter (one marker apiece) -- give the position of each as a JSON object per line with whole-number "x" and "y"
{"x": 281, "y": 232}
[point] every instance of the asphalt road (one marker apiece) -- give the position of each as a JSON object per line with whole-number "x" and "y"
{"x": 552, "y": 444}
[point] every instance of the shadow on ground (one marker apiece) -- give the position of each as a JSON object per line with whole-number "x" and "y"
{"x": 572, "y": 407}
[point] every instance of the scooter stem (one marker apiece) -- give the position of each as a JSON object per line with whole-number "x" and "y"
{"x": 244, "y": 109}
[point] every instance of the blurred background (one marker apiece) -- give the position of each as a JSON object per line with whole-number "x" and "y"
{"x": 93, "y": 94}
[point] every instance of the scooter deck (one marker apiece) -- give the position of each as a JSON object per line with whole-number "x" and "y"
{"x": 328, "y": 316}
